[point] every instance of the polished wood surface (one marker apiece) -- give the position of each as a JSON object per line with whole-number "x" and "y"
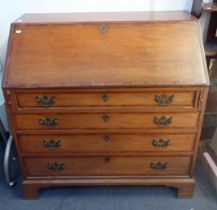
{"x": 106, "y": 142}
{"x": 105, "y": 120}
{"x": 143, "y": 98}
{"x": 44, "y": 18}
{"x": 80, "y": 55}
{"x": 106, "y": 99}
{"x": 106, "y": 165}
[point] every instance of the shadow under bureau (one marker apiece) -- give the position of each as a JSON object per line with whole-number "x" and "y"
{"x": 106, "y": 99}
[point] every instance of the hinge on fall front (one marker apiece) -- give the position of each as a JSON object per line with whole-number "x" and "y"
{"x": 9, "y": 99}
{"x": 201, "y": 99}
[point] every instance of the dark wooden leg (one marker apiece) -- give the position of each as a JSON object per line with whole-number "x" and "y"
{"x": 186, "y": 191}
{"x": 31, "y": 192}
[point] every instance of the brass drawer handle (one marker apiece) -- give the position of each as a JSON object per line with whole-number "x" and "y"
{"x": 163, "y": 121}
{"x": 103, "y": 28}
{"x": 164, "y": 99}
{"x": 45, "y": 100}
{"x": 106, "y": 117}
{"x": 49, "y": 123}
{"x": 106, "y": 137}
{"x": 160, "y": 143}
{"x": 105, "y": 97}
{"x": 52, "y": 144}
{"x": 56, "y": 166}
{"x": 107, "y": 159}
{"x": 158, "y": 166}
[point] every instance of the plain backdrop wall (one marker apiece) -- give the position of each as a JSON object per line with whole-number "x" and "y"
{"x": 11, "y": 9}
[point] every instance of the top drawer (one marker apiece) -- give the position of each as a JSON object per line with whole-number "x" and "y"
{"x": 105, "y": 98}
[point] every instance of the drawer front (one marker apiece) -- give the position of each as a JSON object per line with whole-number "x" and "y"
{"x": 105, "y": 120}
{"x": 49, "y": 99}
{"x": 107, "y": 142}
{"x": 91, "y": 166}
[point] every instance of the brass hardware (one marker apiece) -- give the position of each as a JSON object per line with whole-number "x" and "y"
{"x": 52, "y": 144}
{"x": 201, "y": 99}
{"x": 9, "y": 96}
{"x": 160, "y": 143}
{"x": 105, "y": 97}
{"x": 164, "y": 99}
{"x": 49, "y": 123}
{"x": 107, "y": 159}
{"x": 106, "y": 137}
{"x": 104, "y": 28}
{"x": 106, "y": 117}
{"x": 45, "y": 100}
{"x": 158, "y": 166}
{"x": 8, "y": 92}
{"x": 10, "y": 104}
{"x": 162, "y": 121}
{"x": 56, "y": 166}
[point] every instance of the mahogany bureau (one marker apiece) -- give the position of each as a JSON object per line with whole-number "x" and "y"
{"x": 106, "y": 99}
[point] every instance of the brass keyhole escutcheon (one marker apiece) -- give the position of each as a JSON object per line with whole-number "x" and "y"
{"x": 107, "y": 159}
{"x": 106, "y": 117}
{"x": 105, "y": 97}
{"x": 106, "y": 137}
{"x": 103, "y": 28}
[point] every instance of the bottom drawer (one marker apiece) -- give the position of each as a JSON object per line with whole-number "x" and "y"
{"x": 96, "y": 166}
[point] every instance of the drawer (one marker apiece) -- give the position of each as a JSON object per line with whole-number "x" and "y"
{"x": 105, "y": 120}
{"x": 106, "y": 165}
{"x": 105, "y": 98}
{"x": 106, "y": 142}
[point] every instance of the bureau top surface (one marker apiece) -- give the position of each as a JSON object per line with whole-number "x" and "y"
{"x": 103, "y": 17}
{"x": 105, "y": 50}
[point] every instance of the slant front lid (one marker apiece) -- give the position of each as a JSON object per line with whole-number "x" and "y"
{"x": 105, "y": 53}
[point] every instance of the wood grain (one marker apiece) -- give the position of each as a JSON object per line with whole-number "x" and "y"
{"x": 104, "y": 71}
{"x": 90, "y": 166}
{"x": 104, "y": 17}
{"x": 81, "y": 55}
{"x": 128, "y": 98}
{"x": 97, "y": 121}
{"x": 106, "y": 142}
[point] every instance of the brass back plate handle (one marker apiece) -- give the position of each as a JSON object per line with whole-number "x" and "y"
{"x": 49, "y": 122}
{"x": 164, "y": 99}
{"x": 159, "y": 166}
{"x": 45, "y": 100}
{"x": 163, "y": 121}
{"x": 160, "y": 143}
{"x": 52, "y": 144}
{"x": 56, "y": 166}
